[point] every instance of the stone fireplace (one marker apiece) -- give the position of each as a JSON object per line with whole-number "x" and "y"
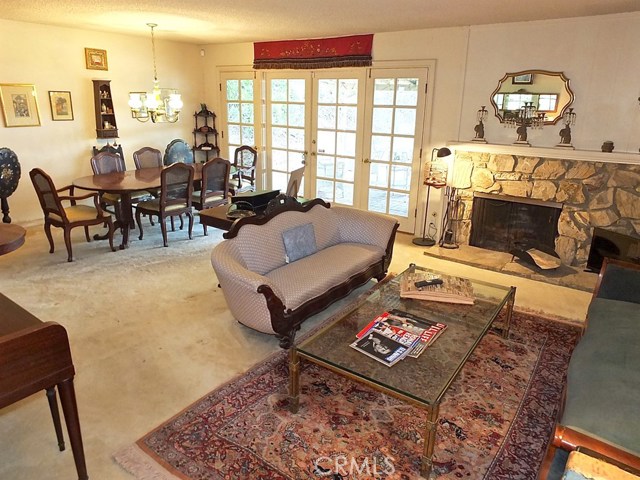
{"x": 592, "y": 193}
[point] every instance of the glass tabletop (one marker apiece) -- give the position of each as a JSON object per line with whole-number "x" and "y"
{"x": 426, "y": 378}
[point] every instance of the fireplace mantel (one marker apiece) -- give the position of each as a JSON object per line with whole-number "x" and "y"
{"x": 559, "y": 152}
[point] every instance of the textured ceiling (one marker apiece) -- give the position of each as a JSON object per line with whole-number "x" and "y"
{"x": 230, "y": 21}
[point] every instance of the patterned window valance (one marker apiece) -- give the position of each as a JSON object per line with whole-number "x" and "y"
{"x": 352, "y": 51}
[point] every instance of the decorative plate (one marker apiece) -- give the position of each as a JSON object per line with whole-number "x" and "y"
{"x": 9, "y": 172}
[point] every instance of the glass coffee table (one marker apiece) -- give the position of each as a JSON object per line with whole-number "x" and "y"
{"x": 421, "y": 381}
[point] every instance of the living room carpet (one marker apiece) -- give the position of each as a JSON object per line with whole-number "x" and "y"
{"x": 494, "y": 421}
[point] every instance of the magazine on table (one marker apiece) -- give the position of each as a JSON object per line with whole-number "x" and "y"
{"x": 439, "y": 288}
{"x": 409, "y": 331}
{"x": 380, "y": 347}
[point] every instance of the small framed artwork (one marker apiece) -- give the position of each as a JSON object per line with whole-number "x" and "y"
{"x": 61, "y": 108}
{"x": 96, "y": 59}
{"x": 19, "y": 105}
{"x": 526, "y": 79}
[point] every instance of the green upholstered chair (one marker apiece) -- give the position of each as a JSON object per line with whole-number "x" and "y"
{"x": 57, "y": 215}
{"x": 176, "y": 190}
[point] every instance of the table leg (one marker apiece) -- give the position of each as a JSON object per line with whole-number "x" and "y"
{"x": 55, "y": 415}
{"x": 294, "y": 380}
{"x": 429, "y": 440}
{"x": 507, "y": 322}
{"x": 70, "y": 409}
{"x": 127, "y": 218}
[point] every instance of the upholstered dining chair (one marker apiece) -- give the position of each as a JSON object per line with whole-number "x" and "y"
{"x": 215, "y": 189}
{"x": 55, "y": 214}
{"x": 244, "y": 163}
{"x": 176, "y": 189}
{"x": 178, "y": 151}
{"x": 106, "y": 162}
{"x": 147, "y": 157}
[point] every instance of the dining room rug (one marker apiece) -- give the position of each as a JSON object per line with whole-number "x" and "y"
{"x": 495, "y": 420}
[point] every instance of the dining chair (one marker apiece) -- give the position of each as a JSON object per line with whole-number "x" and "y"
{"x": 107, "y": 162}
{"x": 178, "y": 151}
{"x": 176, "y": 190}
{"x": 110, "y": 149}
{"x": 244, "y": 163}
{"x": 215, "y": 188}
{"x": 67, "y": 218}
{"x": 295, "y": 181}
{"x": 147, "y": 157}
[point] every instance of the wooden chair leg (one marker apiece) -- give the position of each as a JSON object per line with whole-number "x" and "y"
{"x": 204, "y": 228}
{"x": 190, "y": 215}
{"x": 110, "y": 233}
{"x": 139, "y": 222}
{"x": 70, "y": 409}
{"x": 86, "y": 234}
{"x": 173, "y": 227}
{"x": 47, "y": 231}
{"x": 67, "y": 242}
{"x": 55, "y": 415}
{"x": 163, "y": 227}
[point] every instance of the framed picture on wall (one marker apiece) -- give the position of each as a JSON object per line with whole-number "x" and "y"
{"x": 526, "y": 79}
{"x": 61, "y": 108}
{"x": 96, "y": 59}
{"x": 19, "y": 105}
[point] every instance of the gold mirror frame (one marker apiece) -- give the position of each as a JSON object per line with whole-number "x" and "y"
{"x": 524, "y": 82}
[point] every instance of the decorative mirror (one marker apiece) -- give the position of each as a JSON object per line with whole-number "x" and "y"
{"x": 549, "y": 92}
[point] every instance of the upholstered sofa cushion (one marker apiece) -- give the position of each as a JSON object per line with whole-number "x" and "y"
{"x": 603, "y": 380}
{"x": 299, "y": 242}
{"x": 313, "y": 275}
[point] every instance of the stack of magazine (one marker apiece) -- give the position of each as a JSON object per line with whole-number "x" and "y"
{"x": 450, "y": 289}
{"x": 394, "y": 335}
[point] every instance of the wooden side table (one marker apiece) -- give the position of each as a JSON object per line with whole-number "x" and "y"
{"x": 35, "y": 356}
{"x": 11, "y": 237}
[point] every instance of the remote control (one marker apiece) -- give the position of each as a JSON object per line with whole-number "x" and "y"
{"x": 426, "y": 283}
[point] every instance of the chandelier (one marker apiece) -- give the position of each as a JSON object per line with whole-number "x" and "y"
{"x": 160, "y": 105}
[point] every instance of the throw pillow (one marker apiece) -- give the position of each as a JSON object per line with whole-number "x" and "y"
{"x": 299, "y": 242}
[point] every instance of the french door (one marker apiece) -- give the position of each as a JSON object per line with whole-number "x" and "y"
{"x": 358, "y": 132}
{"x": 287, "y": 126}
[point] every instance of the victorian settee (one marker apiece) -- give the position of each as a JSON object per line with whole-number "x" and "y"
{"x": 278, "y": 269}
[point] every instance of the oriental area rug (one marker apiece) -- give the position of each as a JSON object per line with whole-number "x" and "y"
{"x": 495, "y": 421}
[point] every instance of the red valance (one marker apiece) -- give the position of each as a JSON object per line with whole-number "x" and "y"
{"x": 352, "y": 51}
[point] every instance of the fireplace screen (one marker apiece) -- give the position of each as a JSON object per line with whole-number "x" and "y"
{"x": 505, "y": 223}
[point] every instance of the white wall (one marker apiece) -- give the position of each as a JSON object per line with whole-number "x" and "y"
{"x": 52, "y": 58}
{"x": 599, "y": 56}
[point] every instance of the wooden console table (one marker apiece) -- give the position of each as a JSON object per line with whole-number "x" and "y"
{"x": 35, "y": 356}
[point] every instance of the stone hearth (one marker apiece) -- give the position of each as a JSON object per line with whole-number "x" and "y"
{"x": 593, "y": 194}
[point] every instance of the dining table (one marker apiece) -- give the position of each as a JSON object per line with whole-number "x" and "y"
{"x": 124, "y": 184}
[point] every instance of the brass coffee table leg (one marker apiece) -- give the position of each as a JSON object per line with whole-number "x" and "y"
{"x": 294, "y": 380}
{"x": 429, "y": 440}
{"x": 510, "y": 303}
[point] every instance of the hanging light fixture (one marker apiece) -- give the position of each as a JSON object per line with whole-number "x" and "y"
{"x": 162, "y": 104}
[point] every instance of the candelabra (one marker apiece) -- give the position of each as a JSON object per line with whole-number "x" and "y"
{"x": 569, "y": 118}
{"x": 481, "y": 116}
{"x": 525, "y": 117}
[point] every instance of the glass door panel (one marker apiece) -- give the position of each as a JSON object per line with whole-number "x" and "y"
{"x": 394, "y": 132}
{"x": 287, "y": 126}
{"x": 338, "y": 126}
{"x": 239, "y": 93}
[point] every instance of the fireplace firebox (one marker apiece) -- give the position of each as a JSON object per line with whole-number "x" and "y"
{"x": 506, "y": 223}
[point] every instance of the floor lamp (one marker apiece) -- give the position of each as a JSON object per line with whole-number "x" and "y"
{"x": 436, "y": 177}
